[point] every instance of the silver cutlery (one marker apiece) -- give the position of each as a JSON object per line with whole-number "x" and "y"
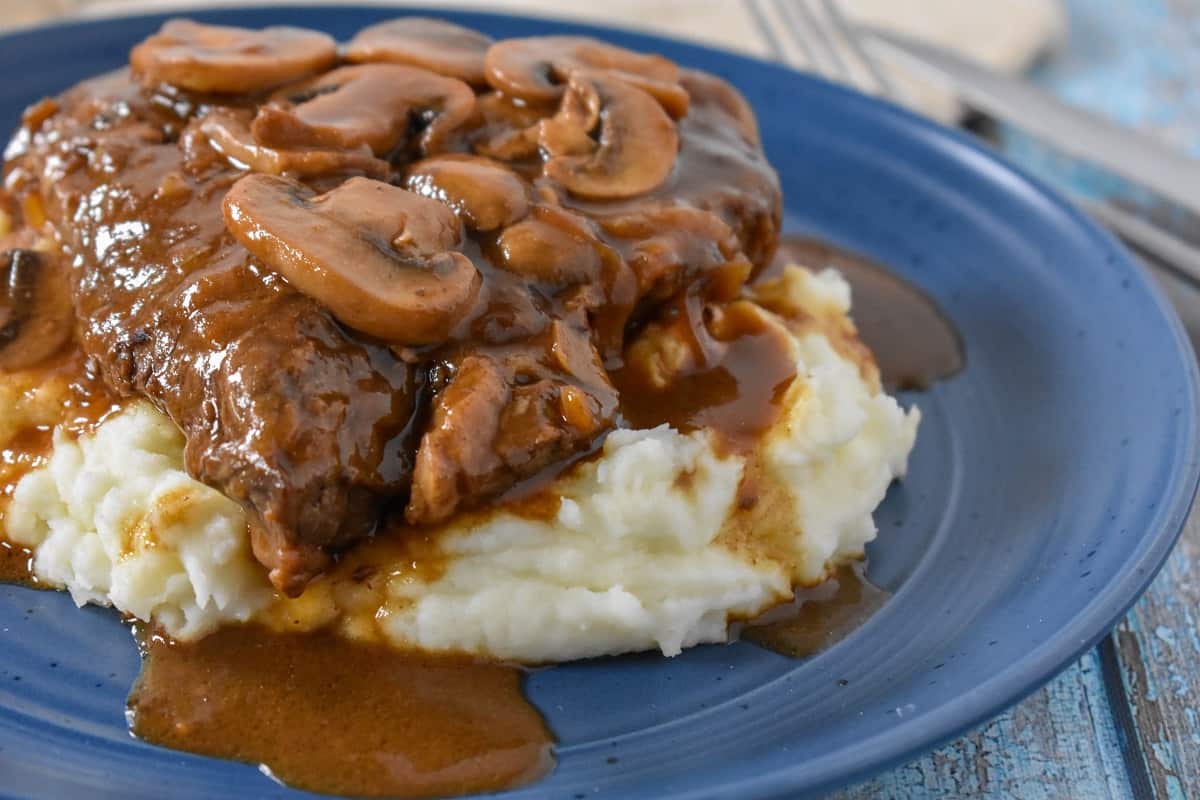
{"x": 834, "y": 48}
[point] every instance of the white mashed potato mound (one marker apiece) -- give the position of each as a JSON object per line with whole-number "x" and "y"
{"x": 840, "y": 443}
{"x": 114, "y": 519}
{"x": 628, "y": 563}
{"x": 649, "y": 547}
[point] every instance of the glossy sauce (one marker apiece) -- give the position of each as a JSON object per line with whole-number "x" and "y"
{"x": 739, "y": 372}
{"x": 347, "y": 719}
{"x": 914, "y": 342}
{"x": 84, "y": 403}
{"x": 23, "y": 453}
{"x": 819, "y": 617}
{"x": 16, "y": 564}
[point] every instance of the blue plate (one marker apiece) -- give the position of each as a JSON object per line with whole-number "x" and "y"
{"x": 1050, "y": 481}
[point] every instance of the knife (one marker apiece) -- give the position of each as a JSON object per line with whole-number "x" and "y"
{"x": 1147, "y": 162}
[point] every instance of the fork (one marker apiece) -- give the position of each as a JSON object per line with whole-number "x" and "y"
{"x": 821, "y": 40}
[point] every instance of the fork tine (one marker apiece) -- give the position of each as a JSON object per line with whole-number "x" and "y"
{"x": 850, "y": 36}
{"x": 822, "y": 33}
{"x": 803, "y": 37}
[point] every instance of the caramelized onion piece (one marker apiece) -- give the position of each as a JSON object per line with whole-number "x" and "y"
{"x": 433, "y": 44}
{"x": 637, "y": 144}
{"x": 370, "y": 105}
{"x": 486, "y": 194}
{"x": 383, "y": 260}
{"x": 536, "y": 69}
{"x": 228, "y": 132}
{"x": 225, "y": 60}
{"x": 36, "y": 315}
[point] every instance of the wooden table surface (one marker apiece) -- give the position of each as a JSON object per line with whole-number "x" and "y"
{"x": 1124, "y": 721}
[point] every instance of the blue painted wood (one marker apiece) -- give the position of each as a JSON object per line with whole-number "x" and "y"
{"x": 1061, "y": 738}
{"x": 1158, "y": 647}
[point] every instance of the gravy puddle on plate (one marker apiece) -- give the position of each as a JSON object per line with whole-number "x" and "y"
{"x": 819, "y": 617}
{"x": 329, "y": 716}
{"x": 914, "y": 342}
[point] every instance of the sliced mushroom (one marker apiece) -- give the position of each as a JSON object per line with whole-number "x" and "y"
{"x": 36, "y": 314}
{"x": 537, "y": 68}
{"x": 228, "y": 131}
{"x": 634, "y": 152}
{"x": 372, "y": 105}
{"x": 570, "y": 131}
{"x": 383, "y": 260}
{"x": 509, "y": 129}
{"x": 433, "y": 44}
{"x": 486, "y": 194}
{"x": 555, "y": 247}
{"x": 225, "y": 60}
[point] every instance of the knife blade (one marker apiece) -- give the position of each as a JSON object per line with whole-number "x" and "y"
{"x": 1078, "y": 133}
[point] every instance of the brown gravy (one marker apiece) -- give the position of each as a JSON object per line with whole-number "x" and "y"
{"x": 23, "y": 453}
{"x": 89, "y": 401}
{"x": 83, "y": 404}
{"x": 819, "y": 617}
{"x": 914, "y": 342}
{"x": 16, "y": 564}
{"x": 739, "y": 374}
{"x": 327, "y": 716}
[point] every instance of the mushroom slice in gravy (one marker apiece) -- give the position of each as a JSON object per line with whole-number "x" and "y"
{"x": 536, "y": 69}
{"x": 216, "y": 58}
{"x": 371, "y": 105}
{"x": 432, "y": 44}
{"x": 382, "y": 259}
{"x": 485, "y": 194}
{"x": 228, "y": 133}
{"x": 634, "y": 151}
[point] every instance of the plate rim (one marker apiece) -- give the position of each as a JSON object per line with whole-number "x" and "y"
{"x": 1093, "y": 622}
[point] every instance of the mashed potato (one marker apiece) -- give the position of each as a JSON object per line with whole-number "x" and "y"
{"x": 652, "y": 545}
{"x": 115, "y": 520}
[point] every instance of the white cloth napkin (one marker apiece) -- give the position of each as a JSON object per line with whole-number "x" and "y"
{"x": 1004, "y": 34}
